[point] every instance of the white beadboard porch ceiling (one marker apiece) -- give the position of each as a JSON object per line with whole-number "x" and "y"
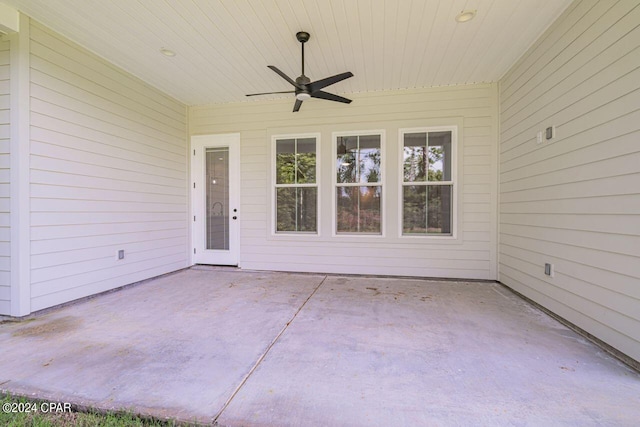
{"x": 223, "y": 47}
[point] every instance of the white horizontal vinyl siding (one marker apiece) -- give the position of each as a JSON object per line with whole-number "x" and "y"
{"x": 473, "y": 255}
{"x": 574, "y": 201}
{"x": 5, "y": 196}
{"x": 108, "y": 172}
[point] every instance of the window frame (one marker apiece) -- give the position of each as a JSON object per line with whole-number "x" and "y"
{"x": 274, "y": 186}
{"x": 382, "y": 183}
{"x": 455, "y": 182}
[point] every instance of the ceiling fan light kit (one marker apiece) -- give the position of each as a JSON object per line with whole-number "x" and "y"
{"x": 304, "y": 87}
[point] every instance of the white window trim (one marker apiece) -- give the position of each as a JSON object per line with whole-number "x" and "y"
{"x": 454, "y": 182}
{"x": 272, "y": 188}
{"x": 383, "y": 184}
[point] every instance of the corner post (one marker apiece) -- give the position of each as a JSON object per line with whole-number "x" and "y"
{"x": 20, "y": 148}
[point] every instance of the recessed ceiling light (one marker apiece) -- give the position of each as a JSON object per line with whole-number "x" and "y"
{"x": 466, "y": 15}
{"x": 167, "y": 52}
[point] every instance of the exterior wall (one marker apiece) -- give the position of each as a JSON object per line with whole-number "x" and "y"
{"x": 108, "y": 163}
{"x": 5, "y": 171}
{"x": 472, "y": 255}
{"x": 573, "y": 201}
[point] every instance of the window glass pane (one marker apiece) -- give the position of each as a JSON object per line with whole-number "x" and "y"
{"x": 286, "y": 209}
{"x": 427, "y": 209}
{"x": 358, "y": 209}
{"x": 370, "y": 212}
{"x": 306, "y": 161}
{"x": 414, "y": 209}
{"x": 296, "y": 209}
{"x": 415, "y": 157}
{"x": 439, "y": 156}
{"x": 307, "y": 198}
{"x": 369, "y": 158}
{"x": 285, "y": 161}
{"x": 346, "y": 156}
{"x": 347, "y": 204}
{"x": 439, "y": 209}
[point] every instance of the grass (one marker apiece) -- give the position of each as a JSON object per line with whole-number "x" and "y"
{"x": 39, "y": 418}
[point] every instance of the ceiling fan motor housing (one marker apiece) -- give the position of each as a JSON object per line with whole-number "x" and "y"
{"x": 304, "y": 93}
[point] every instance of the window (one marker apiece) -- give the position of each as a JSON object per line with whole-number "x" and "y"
{"x": 427, "y": 183}
{"x": 296, "y": 185}
{"x": 358, "y": 184}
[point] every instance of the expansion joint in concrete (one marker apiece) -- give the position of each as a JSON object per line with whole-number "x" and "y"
{"x": 264, "y": 354}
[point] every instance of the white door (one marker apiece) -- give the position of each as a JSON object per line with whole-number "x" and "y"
{"x": 215, "y": 173}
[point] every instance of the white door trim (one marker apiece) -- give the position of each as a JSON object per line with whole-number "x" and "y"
{"x": 200, "y": 255}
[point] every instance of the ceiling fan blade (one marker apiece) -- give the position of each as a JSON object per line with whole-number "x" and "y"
{"x": 284, "y": 76}
{"x": 270, "y": 93}
{"x": 329, "y": 96}
{"x": 319, "y": 84}
{"x": 297, "y": 105}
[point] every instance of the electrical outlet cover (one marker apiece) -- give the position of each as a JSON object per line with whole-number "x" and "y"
{"x": 550, "y": 132}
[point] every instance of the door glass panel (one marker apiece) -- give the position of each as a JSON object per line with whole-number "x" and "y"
{"x": 217, "y": 191}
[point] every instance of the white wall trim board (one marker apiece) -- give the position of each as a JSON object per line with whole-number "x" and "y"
{"x": 20, "y": 169}
{"x": 187, "y": 178}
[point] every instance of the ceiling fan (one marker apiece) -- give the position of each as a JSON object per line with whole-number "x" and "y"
{"x": 304, "y": 87}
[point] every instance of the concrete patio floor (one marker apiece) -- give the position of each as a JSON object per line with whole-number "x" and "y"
{"x": 255, "y": 348}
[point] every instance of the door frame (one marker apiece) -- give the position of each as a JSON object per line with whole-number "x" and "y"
{"x": 199, "y": 143}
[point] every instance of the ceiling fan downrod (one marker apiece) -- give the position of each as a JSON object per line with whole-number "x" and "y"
{"x": 303, "y": 37}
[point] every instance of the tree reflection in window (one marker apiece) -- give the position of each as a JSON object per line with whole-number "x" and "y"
{"x": 427, "y": 183}
{"x": 296, "y": 186}
{"x": 358, "y": 184}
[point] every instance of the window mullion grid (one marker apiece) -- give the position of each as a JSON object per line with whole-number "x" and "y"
{"x": 405, "y": 183}
{"x": 296, "y": 185}
{"x": 357, "y": 184}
